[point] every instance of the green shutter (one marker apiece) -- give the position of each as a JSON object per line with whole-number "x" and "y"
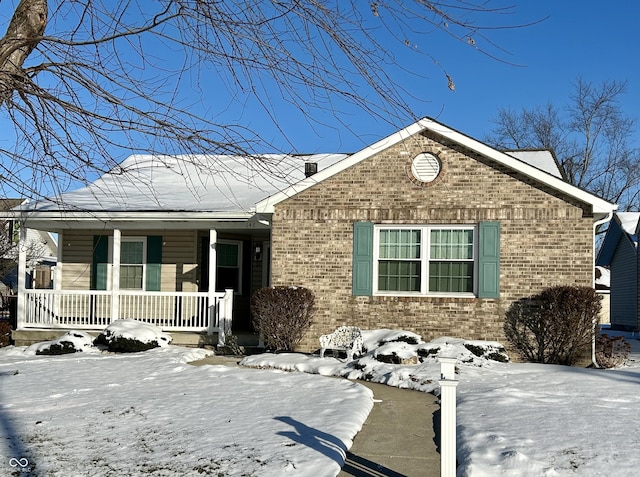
{"x": 362, "y": 258}
{"x": 100, "y": 262}
{"x": 489, "y": 260}
{"x": 154, "y": 262}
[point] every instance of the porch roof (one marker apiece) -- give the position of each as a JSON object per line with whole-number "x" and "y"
{"x": 179, "y": 190}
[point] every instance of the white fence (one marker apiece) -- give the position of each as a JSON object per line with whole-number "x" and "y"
{"x": 91, "y": 309}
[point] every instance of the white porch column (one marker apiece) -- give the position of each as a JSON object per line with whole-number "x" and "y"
{"x": 22, "y": 277}
{"x": 115, "y": 276}
{"x": 57, "y": 277}
{"x": 213, "y": 261}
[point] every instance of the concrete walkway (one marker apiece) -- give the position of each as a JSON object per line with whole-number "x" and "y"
{"x": 398, "y": 438}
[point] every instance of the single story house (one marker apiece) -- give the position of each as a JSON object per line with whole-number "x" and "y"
{"x": 619, "y": 252}
{"x": 427, "y": 230}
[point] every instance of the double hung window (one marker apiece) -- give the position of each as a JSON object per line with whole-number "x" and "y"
{"x": 132, "y": 263}
{"x": 424, "y": 260}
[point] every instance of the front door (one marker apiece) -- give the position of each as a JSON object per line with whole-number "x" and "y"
{"x": 233, "y": 271}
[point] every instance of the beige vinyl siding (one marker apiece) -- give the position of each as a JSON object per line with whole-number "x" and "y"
{"x": 77, "y": 254}
{"x": 623, "y": 285}
{"x": 179, "y": 264}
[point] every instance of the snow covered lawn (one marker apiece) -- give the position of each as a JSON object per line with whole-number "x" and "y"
{"x": 150, "y": 413}
{"x": 102, "y": 414}
{"x": 516, "y": 420}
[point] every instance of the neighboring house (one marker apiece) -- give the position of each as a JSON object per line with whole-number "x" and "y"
{"x": 603, "y": 288}
{"x": 41, "y": 250}
{"x": 427, "y": 230}
{"x": 619, "y": 252}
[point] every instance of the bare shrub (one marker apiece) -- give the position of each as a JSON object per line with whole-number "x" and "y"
{"x": 5, "y": 333}
{"x": 282, "y": 315}
{"x": 611, "y": 351}
{"x": 554, "y": 326}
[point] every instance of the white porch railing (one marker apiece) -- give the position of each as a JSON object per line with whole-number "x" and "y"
{"x": 91, "y": 309}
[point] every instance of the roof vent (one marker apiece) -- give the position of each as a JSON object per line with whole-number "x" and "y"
{"x": 310, "y": 168}
{"x": 425, "y": 167}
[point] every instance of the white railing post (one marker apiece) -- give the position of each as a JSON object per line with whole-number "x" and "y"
{"x": 448, "y": 385}
{"x": 226, "y": 312}
{"x": 211, "y": 292}
{"x": 115, "y": 276}
{"x": 22, "y": 277}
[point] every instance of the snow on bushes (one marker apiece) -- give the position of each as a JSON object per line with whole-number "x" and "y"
{"x": 611, "y": 351}
{"x": 71, "y": 342}
{"x": 131, "y": 336}
{"x": 394, "y": 357}
{"x": 405, "y": 347}
{"x": 123, "y": 336}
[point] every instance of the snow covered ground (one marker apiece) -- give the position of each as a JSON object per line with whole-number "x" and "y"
{"x": 519, "y": 419}
{"x": 149, "y": 413}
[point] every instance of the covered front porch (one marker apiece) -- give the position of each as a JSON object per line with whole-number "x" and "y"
{"x": 191, "y": 281}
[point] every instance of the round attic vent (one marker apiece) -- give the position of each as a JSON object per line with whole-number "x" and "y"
{"x": 425, "y": 167}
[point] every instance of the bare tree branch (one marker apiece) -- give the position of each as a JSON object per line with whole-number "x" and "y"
{"x": 592, "y": 140}
{"x": 86, "y": 82}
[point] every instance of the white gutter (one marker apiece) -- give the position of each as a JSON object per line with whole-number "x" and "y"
{"x": 596, "y": 224}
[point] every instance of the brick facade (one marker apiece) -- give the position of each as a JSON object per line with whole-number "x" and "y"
{"x": 546, "y": 239}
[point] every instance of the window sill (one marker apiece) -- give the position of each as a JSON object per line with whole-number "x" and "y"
{"x": 427, "y": 295}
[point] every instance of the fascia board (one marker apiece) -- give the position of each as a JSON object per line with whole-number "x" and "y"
{"x": 70, "y": 219}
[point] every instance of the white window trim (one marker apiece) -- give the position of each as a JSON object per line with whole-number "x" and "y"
{"x": 239, "y": 244}
{"x": 424, "y": 266}
{"x": 128, "y": 238}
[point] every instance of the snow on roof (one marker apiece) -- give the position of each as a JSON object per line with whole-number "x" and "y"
{"x": 629, "y": 221}
{"x": 203, "y": 183}
{"x": 541, "y": 159}
{"x": 231, "y": 185}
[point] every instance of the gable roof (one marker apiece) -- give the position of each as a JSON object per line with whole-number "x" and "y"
{"x": 207, "y": 188}
{"x": 624, "y": 225}
{"x": 599, "y": 206}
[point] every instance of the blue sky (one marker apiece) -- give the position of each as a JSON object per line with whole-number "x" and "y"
{"x": 588, "y": 38}
{"x": 541, "y": 63}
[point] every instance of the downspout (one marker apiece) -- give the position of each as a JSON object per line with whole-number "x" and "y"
{"x": 596, "y": 224}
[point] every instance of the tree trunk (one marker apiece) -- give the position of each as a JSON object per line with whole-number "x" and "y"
{"x": 23, "y": 35}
